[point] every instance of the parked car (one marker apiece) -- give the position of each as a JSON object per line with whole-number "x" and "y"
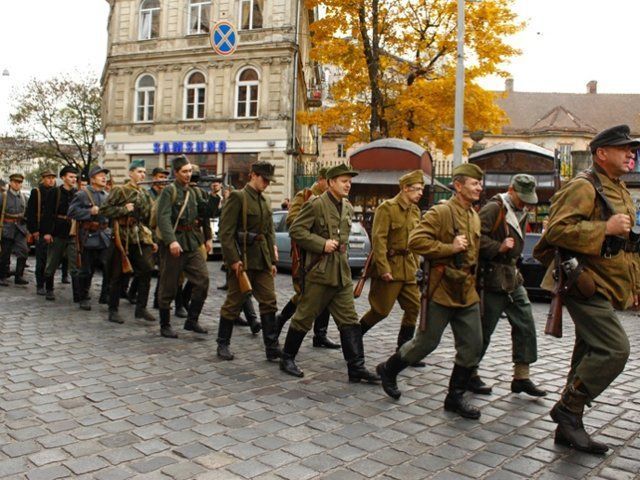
{"x": 358, "y": 251}
{"x": 532, "y": 270}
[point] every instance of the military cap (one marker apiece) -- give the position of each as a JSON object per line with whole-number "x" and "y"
{"x": 179, "y": 162}
{"x": 159, "y": 170}
{"x": 417, "y": 176}
{"x": 195, "y": 172}
{"x": 469, "y": 170}
{"x": 98, "y": 169}
{"x": 47, "y": 173}
{"x": 341, "y": 169}
{"x": 68, "y": 169}
{"x": 614, "y": 136}
{"x": 525, "y": 187}
{"x": 264, "y": 169}
{"x": 16, "y": 176}
{"x": 138, "y": 163}
{"x": 322, "y": 173}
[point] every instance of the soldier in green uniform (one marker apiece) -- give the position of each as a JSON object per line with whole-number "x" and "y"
{"x": 393, "y": 266}
{"x": 590, "y": 219}
{"x": 247, "y": 238}
{"x": 129, "y": 208}
{"x": 504, "y": 223}
{"x": 321, "y": 324}
{"x": 180, "y": 208}
{"x": 322, "y": 230}
{"x": 13, "y": 230}
{"x": 449, "y": 238}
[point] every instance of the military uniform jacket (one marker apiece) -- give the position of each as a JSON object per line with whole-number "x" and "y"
{"x": 449, "y": 286}
{"x": 55, "y": 221}
{"x": 260, "y": 254}
{"x": 318, "y": 221}
{"x": 94, "y": 236}
{"x": 35, "y": 207}
{"x": 393, "y": 222}
{"x": 298, "y": 201}
{"x": 188, "y": 232}
{"x": 15, "y": 207}
{"x": 575, "y": 224}
{"x": 133, "y": 225}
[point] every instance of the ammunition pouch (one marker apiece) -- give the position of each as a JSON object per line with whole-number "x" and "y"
{"x": 501, "y": 277}
{"x": 579, "y": 282}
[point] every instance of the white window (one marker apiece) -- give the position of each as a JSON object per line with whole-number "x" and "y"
{"x": 195, "y": 93}
{"x": 342, "y": 151}
{"x": 199, "y": 14}
{"x": 149, "y": 19}
{"x": 247, "y": 94}
{"x": 145, "y": 98}
{"x": 250, "y": 14}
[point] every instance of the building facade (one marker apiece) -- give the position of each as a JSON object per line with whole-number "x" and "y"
{"x": 167, "y": 92}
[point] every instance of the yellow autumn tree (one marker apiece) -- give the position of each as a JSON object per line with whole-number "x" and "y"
{"x": 397, "y": 60}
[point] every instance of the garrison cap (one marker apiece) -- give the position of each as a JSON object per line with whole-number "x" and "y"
{"x": 47, "y": 173}
{"x": 525, "y": 187}
{"x": 16, "y": 176}
{"x": 614, "y": 136}
{"x": 469, "y": 170}
{"x": 68, "y": 169}
{"x": 417, "y": 176}
{"x": 322, "y": 173}
{"x": 264, "y": 169}
{"x": 339, "y": 170}
{"x": 139, "y": 163}
{"x": 159, "y": 170}
{"x": 98, "y": 169}
{"x": 179, "y": 162}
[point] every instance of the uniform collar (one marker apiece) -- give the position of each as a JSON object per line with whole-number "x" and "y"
{"x": 456, "y": 203}
{"x": 402, "y": 202}
{"x": 14, "y": 192}
{"x": 130, "y": 184}
{"x": 252, "y": 191}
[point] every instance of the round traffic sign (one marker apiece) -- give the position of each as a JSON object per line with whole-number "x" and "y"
{"x": 224, "y": 38}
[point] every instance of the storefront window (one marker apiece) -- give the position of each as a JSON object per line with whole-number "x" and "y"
{"x": 150, "y": 162}
{"x": 237, "y": 166}
{"x": 208, "y": 163}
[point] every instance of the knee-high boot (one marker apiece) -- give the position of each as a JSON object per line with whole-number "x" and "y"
{"x": 353, "y": 351}
{"x": 225, "y": 329}
{"x": 454, "y": 401}
{"x": 291, "y": 347}
{"x": 406, "y": 335}
{"x": 20, "y": 265}
{"x": 283, "y": 317}
{"x": 250, "y": 314}
{"x": 270, "y": 337}
{"x": 195, "y": 307}
{"x": 320, "y": 328}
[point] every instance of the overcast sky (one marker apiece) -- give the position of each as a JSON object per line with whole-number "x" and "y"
{"x": 566, "y": 44}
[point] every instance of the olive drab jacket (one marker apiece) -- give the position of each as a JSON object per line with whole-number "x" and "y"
{"x": 449, "y": 286}
{"x": 299, "y": 199}
{"x": 393, "y": 222}
{"x": 133, "y": 225}
{"x": 576, "y": 224}
{"x": 260, "y": 254}
{"x": 318, "y": 221}
{"x": 188, "y": 232}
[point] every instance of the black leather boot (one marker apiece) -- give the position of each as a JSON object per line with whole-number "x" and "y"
{"x": 19, "y": 277}
{"x": 270, "y": 338}
{"x": 48, "y": 283}
{"x": 364, "y": 328}
{"x": 75, "y": 288}
{"x": 132, "y": 292}
{"x": 476, "y": 385}
{"x": 567, "y": 413}
{"x": 388, "y": 372}
{"x": 283, "y": 317}
{"x": 406, "y": 335}
{"x": 142, "y": 297}
{"x": 454, "y": 401}
{"x": 525, "y": 385}
{"x": 84, "y": 285}
{"x": 195, "y": 307}
{"x": 225, "y": 329}
{"x": 291, "y": 347}
{"x": 250, "y": 314}
{"x": 181, "y": 311}
{"x": 165, "y": 324}
{"x": 320, "y": 328}
{"x": 353, "y": 352}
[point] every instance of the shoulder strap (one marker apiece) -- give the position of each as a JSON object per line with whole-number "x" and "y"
{"x": 500, "y": 218}
{"x": 93, "y": 203}
{"x": 184, "y": 205}
{"x": 244, "y": 226}
{"x": 456, "y": 232}
{"x": 591, "y": 176}
{"x": 38, "y": 206}
{"x": 307, "y": 194}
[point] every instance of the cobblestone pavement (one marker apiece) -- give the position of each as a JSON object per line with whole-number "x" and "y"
{"x": 84, "y": 398}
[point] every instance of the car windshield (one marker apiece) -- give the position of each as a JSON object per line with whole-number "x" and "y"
{"x": 358, "y": 230}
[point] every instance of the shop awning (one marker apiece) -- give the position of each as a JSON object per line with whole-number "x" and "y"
{"x": 390, "y": 177}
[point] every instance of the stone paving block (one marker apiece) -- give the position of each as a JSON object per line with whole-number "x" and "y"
{"x": 49, "y": 473}
{"x": 151, "y": 464}
{"x": 183, "y": 470}
{"x": 12, "y": 467}
{"x": 85, "y": 464}
{"x": 115, "y": 473}
{"x": 248, "y": 468}
{"x": 19, "y": 449}
{"x": 120, "y": 455}
{"x": 192, "y": 450}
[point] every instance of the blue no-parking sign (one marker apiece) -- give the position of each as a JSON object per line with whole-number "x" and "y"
{"x": 224, "y": 38}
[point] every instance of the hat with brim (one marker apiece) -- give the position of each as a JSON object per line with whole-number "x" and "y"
{"x": 16, "y": 176}
{"x": 98, "y": 169}
{"x": 525, "y": 186}
{"x": 411, "y": 178}
{"x": 47, "y": 173}
{"x": 614, "y": 137}
{"x": 265, "y": 169}
{"x": 159, "y": 171}
{"x": 340, "y": 170}
{"x": 68, "y": 169}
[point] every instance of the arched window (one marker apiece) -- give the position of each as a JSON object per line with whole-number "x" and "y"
{"x": 251, "y": 14}
{"x": 247, "y": 94}
{"x": 195, "y": 94}
{"x": 145, "y": 98}
{"x": 149, "y": 19}
{"x": 199, "y": 15}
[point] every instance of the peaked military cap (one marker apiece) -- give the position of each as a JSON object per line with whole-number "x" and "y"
{"x": 159, "y": 170}
{"x": 525, "y": 187}
{"x": 98, "y": 169}
{"x": 68, "y": 169}
{"x": 16, "y": 176}
{"x": 264, "y": 169}
{"x": 612, "y": 137}
{"x": 47, "y": 173}
{"x": 139, "y": 163}
{"x": 179, "y": 162}
{"x": 417, "y": 176}
{"x": 341, "y": 169}
{"x": 469, "y": 170}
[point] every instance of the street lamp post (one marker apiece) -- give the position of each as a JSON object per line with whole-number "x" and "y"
{"x": 459, "y": 107}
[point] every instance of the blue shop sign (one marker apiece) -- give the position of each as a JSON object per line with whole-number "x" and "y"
{"x": 190, "y": 147}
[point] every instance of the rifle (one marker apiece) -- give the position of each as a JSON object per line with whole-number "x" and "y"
{"x": 424, "y": 293}
{"x": 117, "y": 241}
{"x": 357, "y": 291}
{"x": 554, "y": 317}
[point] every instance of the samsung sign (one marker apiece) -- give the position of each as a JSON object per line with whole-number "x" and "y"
{"x": 190, "y": 147}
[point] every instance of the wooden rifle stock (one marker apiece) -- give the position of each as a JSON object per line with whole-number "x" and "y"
{"x": 357, "y": 291}
{"x": 554, "y": 317}
{"x": 117, "y": 241}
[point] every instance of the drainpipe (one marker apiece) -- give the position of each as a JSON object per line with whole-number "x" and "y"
{"x": 294, "y": 101}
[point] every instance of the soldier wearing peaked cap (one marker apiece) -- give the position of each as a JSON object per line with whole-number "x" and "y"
{"x": 504, "y": 223}
{"x": 590, "y": 220}
{"x": 13, "y": 230}
{"x": 393, "y": 267}
{"x": 448, "y": 236}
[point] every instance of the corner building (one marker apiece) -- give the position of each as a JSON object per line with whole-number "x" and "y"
{"x": 167, "y": 92}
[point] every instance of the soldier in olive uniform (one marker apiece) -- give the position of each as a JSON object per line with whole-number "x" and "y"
{"x": 393, "y": 267}
{"x": 449, "y": 238}
{"x": 504, "y": 223}
{"x": 180, "y": 208}
{"x": 589, "y": 222}
{"x": 249, "y": 207}
{"x": 13, "y": 230}
{"x": 321, "y": 324}
{"x": 129, "y": 208}
{"x": 322, "y": 230}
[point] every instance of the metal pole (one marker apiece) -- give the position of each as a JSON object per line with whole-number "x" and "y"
{"x": 459, "y": 111}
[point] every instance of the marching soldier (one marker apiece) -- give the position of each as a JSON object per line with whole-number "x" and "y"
{"x": 56, "y": 227}
{"x": 13, "y": 205}
{"x": 35, "y": 207}
{"x": 179, "y": 210}
{"x": 321, "y": 324}
{"x": 247, "y": 238}
{"x": 590, "y": 220}
{"x": 449, "y": 238}
{"x": 504, "y": 223}
{"x": 159, "y": 176}
{"x": 393, "y": 266}
{"x": 129, "y": 208}
{"x": 93, "y": 239}
{"x": 322, "y": 229}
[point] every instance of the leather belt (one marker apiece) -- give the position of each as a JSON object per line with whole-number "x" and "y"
{"x": 397, "y": 253}
{"x": 14, "y": 220}
{"x": 186, "y": 228}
